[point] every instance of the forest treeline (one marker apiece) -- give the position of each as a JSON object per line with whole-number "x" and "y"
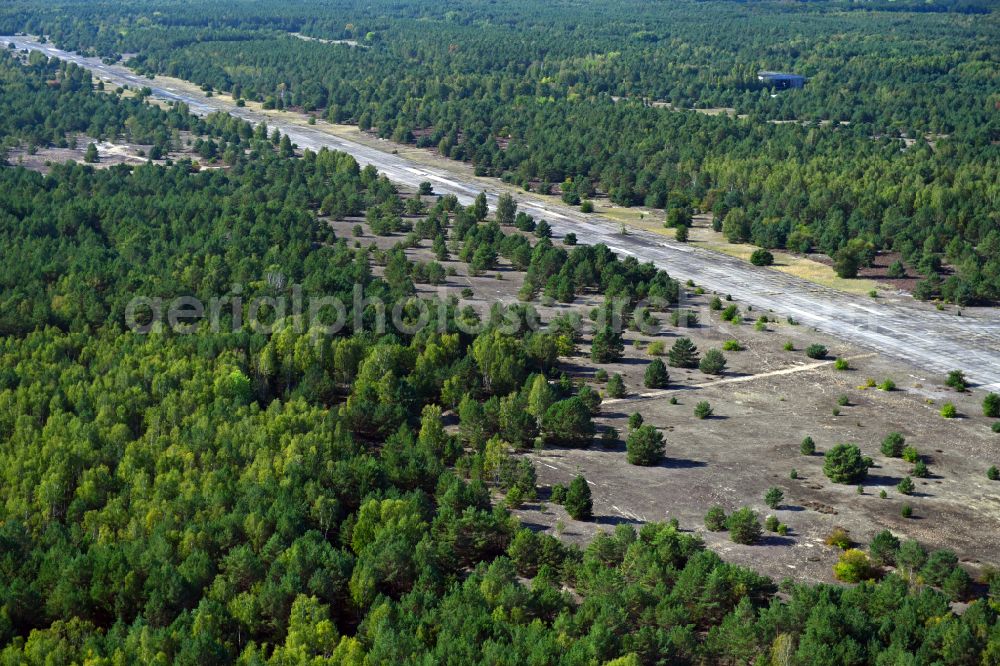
{"x": 294, "y": 497}
{"x": 556, "y": 99}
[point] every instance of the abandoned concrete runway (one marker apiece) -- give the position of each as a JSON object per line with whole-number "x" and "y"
{"x": 933, "y": 340}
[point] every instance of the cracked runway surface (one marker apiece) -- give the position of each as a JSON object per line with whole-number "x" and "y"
{"x": 913, "y": 332}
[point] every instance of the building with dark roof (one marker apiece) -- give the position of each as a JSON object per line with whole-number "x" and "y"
{"x": 780, "y": 80}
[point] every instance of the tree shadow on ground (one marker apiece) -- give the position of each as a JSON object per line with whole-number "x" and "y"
{"x": 615, "y": 520}
{"x": 681, "y": 463}
{"x": 880, "y": 480}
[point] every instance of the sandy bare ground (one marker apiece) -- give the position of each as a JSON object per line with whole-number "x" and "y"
{"x": 768, "y": 400}
{"x": 110, "y": 153}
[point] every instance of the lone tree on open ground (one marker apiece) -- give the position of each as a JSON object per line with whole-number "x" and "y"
{"x": 991, "y": 405}
{"x": 684, "y": 354}
{"x": 656, "y": 376}
{"x": 761, "y": 257}
{"x": 845, "y": 464}
{"x": 956, "y": 380}
{"x": 713, "y": 363}
{"x": 703, "y": 410}
{"x": 645, "y": 446}
{"x": 816, "y": 351}
{"x": 893, "y": 445}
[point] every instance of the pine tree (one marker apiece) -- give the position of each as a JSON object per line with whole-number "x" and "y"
{"x": 845, "y": 464}
{"x": 883, "y": 548}
{"x": 607, "y": 345}
{"x": 645, "y": 446}
{"x": 684, "y": 354}
{"x": 440, "y": 248}
{"x": 472, "y": 422}
{"x": 713, "y": 363}
{"x": 893, "y": 445}
{"x": 744, "y": 526}
{"x": 656, "y": 376}
{"x": 616, "y": 387}
{"x": 579, "y": 504}
{"x": 715, "y": 519}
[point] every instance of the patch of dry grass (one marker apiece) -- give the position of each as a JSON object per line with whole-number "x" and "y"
{"x": 800, "y": 267}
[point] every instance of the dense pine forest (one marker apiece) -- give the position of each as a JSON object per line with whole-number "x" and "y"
{"x": 293, "y": 496}
{"x": 892, "y": 145}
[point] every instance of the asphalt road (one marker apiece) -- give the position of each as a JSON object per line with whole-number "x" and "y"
{"x": 917, "y": 333}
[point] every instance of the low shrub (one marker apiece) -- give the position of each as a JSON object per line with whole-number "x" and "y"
{"x": 703, "y": 410}
{"x": 761, "y": 257}
{"x": 906, "y": 486}
{"x": 715, "y": 519}
{"x": 713, "y": 362}
{"x": 893, "y": 445}
{"x": 839, "y": 538}
{"x": 773, "y": 497}
{"x": 956, "y": 380}
{"x": 853, "y": 567}
{"x": 816, "y": 351}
